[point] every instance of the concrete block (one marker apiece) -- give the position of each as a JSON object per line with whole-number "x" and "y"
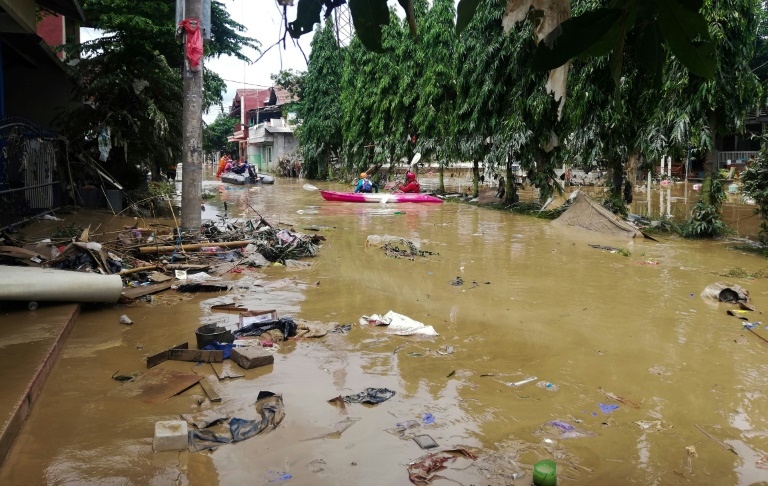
{"x": 170, "y": 435}
{"x": 252, "y": 357}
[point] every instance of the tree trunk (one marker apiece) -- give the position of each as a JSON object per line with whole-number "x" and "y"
{"x": 630, "y": 177}
{"x": 475, "y": 178}
{"x": 510, "y": 188}
{"x": 616, "y": 176}
{"x": 441, "y": 178}
{"x": 710, "y": 161}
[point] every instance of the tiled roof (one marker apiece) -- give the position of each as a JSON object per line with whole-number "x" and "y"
{"x": 255, "y": 98}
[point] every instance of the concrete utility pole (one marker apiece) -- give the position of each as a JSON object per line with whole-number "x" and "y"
{"x": 192, "y": 140}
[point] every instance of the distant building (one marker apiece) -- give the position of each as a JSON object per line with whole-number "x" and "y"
{"x": 263, "y": 134}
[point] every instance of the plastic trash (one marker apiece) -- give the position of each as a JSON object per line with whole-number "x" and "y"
{"x": 428, "y": 418}
{"x": 559, "y": 429}
{"x": 545, "y": 473}
{"x": 376, "y": 240}
{"x": 518, "y": 383}
{"x": 607, "y": 408}
{"x": 548, "y": 386}
{"x": 124, "y": 319}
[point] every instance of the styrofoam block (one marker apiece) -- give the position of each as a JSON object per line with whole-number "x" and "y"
{"x": 170, "y": 435}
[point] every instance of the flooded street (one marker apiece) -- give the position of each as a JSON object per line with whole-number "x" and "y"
{"x": 536, "y": 301}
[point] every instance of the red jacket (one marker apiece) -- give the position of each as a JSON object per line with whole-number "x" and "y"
{"x": 412, "y": 186}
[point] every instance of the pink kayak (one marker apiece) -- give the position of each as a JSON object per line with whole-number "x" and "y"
{"x": 369, "y": 197}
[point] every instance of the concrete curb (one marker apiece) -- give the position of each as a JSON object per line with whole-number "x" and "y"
{"x": 32, "y": 391}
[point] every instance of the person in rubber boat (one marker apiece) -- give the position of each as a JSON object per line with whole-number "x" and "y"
{"x": 366, "y": 185}
{"x": 241, "y": 167}
{"x": 411, "y": 184}
{"x": 223, "y": 161}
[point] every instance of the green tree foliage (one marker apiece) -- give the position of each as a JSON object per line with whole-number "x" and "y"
{"x": 606, "y": 125}
{"x": 215, "y": 135}
{"x": 357, "y": 102}
{"x": 755, "y": 185}
{"x": 436, "y": 86}
{"x": 289, "y": 80}
{"x": 706, "y": 216}
{"x": 504, "y": 113}
{"x": 708, "y": 108}
{"x": 480, "y": 84}
{"x": 318, "y": 109}
{"x": 131, "y": 81}
{"x": 596, "y": 32}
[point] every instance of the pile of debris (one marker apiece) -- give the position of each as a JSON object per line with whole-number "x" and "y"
{"x": 145, "y": 260}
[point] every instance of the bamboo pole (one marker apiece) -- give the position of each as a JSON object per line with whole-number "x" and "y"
{"x": 138, "y": 269}
{"x": 191, "y": 247}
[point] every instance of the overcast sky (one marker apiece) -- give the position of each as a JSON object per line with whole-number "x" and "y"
{"x": 263, "y": 19}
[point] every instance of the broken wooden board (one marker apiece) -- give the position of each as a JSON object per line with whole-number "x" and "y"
{"x": 213, "y": 356}
{"x": 234, "y": 308}
{"x": 158, "y": 358}
{"x": 159, "y": 277}
{"x": 22, "y": 255}
{"x": 224, "y": 371}
{"x": 208, "y": 389}
{"x": 159, "y": 384}
{"x": 133, "y": 293}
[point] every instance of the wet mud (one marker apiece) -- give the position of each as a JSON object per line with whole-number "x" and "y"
{"x": 535, "y": 301}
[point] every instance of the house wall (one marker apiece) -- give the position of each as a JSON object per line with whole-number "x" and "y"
{"x": 52, "y": 29}
{"x": 24, "y": 12}
{"x": 285, "y": 143}
{"x": 36, "y": 94}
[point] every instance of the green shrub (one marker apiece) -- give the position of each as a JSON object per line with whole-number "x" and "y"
{"x": 755, "y": 186}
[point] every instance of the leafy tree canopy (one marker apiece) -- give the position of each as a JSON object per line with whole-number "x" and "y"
{"x": 131, "y": 79}
{"x": 678, "y": 24}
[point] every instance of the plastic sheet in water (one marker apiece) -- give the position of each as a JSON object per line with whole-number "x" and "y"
{"x": 371, "y": 395}
{"x": 558, "y": 429}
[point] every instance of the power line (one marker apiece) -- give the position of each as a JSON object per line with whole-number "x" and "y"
{"x": 249, "y": 84}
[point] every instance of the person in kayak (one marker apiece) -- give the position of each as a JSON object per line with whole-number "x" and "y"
{"x": 411, "y": 184}
{"x": 365, "y": 185}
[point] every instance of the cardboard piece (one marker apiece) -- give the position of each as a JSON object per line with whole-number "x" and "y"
{"x": 158, "y": 358}
{"x": 159, "y": 384}
{"x": 253, "y": 316}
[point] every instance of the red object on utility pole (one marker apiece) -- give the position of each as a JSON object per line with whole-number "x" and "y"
{"x": 194, "y": 41}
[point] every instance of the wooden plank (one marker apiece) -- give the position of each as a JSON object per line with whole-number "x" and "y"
{"x": 215, "y": 356}
{"x": 159, "y": 384}
{"x": 191, "y": 247}
{"x": 133, "y": 293}
{"x": 208, "y": 389}
{"x": 159, "y": 277}
{"x": 224, "y": 371}
{"x": 229, "y": 308}
{"x": 158, "y": 358}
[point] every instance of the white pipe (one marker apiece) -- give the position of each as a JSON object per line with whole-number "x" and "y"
{"x": 47, "y": 284}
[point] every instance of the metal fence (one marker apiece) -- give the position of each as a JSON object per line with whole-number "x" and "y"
{"x": 30, "y": 162}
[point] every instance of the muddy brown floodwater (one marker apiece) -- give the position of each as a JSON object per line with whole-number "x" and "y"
{"x": 537, "y": 301}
